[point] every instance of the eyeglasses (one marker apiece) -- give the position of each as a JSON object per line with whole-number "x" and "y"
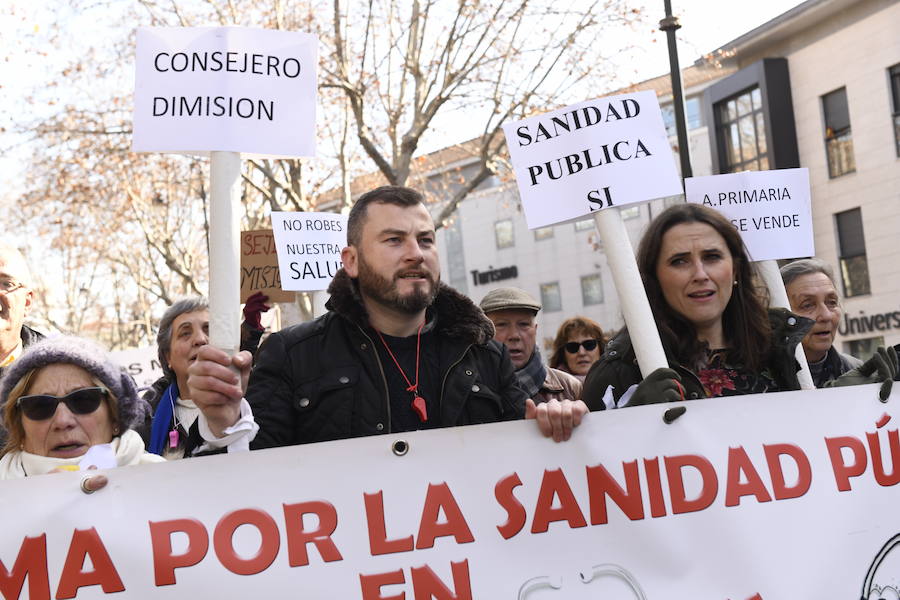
{"x": 41, "y": 407}
{"x": 589, "y": 345}
{"x": 8, "y": 286}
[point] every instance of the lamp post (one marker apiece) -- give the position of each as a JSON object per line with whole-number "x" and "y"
{"x": 670, "y": 25}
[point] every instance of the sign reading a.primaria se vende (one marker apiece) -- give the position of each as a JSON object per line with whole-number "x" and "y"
{"x": 231, "y": 89}
{"x": 770, "y": 209}
{"x": 586, "y": 157}
{"x": 309, "y": 248}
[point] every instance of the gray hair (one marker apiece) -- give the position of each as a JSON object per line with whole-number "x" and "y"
{"x": 164, "y": 336}
{"x": 805, "y": 266}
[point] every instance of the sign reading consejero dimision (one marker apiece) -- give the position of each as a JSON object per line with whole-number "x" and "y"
{"x": 232, "y": 89}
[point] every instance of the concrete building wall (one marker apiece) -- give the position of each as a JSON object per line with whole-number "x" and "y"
{"x": 854, "y": 49}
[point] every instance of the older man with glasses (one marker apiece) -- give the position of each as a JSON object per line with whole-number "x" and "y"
{"x": 16, "y": 298}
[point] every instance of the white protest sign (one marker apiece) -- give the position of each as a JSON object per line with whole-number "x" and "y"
{"x": 770, "y": 496}
{"x": 576, "y": 160}
{"x": 771, "y": 209}
{"x": 141, "y": 363}
{"x": 309, "y": 248}
{"x": 232, "y": 89}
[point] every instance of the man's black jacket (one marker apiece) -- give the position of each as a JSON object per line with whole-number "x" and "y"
{"x": 323, "y": 380}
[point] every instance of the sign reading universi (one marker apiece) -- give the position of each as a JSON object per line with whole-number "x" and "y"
{"x": 231, "y": 89}
{"x": 590, "y": 156}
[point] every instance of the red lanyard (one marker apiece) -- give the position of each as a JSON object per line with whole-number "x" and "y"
{"x": 418, "y": 402}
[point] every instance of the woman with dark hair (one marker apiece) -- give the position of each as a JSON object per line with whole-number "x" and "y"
{"x": 719, "y": 337}
{"x": 578, "y": 345}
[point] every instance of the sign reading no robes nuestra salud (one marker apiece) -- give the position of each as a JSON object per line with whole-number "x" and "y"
{"x": 589, "y": 156}
{"x": 770, "y": 209}
{"x": 309, "y": 248}
{"x": 232, "y": 89}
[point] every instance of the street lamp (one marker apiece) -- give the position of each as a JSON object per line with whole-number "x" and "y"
{"x": 670, "y": 25}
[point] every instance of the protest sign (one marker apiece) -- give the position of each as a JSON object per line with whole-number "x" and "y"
{"x": 141, "y": 363}
{"x": 259, "y": 267}
{"x": 770, "y": 209}
{"x": 234, "y": 89}
{"x": 782, "y": 495}
{"x": 589, "y": 156}
{"x": 309, "y": 248}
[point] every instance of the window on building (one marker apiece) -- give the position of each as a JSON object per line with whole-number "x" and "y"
{"x": 741, "y": 132}
{"x": 504, "y": 234}
{"x": 543, "y": 233}
{"x": 591, "y": 290}
{"x": 550, "y": 297}
{"x": 894, "y": 73}
{"x": 584, "y": 225}
{"x": 865, "y": 348}
{"x": 838, "y": 137}
{"x": 630, "y": 212}
{"x": 852, "y": 248}
{"x": 693, "y": 118}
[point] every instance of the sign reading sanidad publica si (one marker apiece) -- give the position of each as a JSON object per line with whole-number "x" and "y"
{"x": 589, "y": 156}
{"x": 309, "y": 248}
{"x": 233, "y": 89}
{"x": 770, "y": 209}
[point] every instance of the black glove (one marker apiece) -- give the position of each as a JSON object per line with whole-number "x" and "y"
{"x": 882, "y": 367}
{"x": 255, "y": 306}
{"x": 662, "y": 385}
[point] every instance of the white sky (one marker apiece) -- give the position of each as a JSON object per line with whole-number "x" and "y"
{"x": 706, "y": 25}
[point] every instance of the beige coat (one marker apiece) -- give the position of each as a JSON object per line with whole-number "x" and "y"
{"x": 559, "y": 385}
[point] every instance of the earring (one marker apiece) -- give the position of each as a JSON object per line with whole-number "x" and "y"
{"x": 735, "y": 282}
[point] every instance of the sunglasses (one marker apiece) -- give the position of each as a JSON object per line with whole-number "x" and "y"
{"x": 41, "y": 407}
{"x": 589, "y": 345}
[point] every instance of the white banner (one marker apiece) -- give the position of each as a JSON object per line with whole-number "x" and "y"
{"x": 770, "y": 209}
{"x": 589, "y": 156}
{"x": 783, "y": 495}
{"x": 233, "y": 89}
{"x": 309, "y": 248}
{"x": 141, "y": 363}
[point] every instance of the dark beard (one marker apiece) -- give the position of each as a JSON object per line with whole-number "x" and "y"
{"x": 384, "y": 291}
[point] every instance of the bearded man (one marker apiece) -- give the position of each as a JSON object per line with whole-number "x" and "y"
{"x": 397, "y": 350}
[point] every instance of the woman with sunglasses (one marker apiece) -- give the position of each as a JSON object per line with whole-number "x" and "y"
{"x": 578, "y": 345}
{"x": 63, "y": 396}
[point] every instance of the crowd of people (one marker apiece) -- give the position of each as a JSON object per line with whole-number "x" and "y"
{"x": 398, "y": 351}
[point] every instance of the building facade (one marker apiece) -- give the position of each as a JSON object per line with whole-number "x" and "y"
{"x": 817, "y": 87}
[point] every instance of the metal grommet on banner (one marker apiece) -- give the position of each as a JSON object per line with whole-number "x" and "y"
{"x": 84, "y": 486}
{"x": 400, "y": 447}
{"x": 673, "y": 413}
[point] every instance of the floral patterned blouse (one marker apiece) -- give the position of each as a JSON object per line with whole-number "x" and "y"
{"x": 720, "y": 378}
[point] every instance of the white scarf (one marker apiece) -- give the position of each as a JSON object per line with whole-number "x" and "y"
{"x": 128, "y": 448}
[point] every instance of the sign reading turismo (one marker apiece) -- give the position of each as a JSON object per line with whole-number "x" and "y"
{"x": 589, "y": 156}
{"x": 225, "y": 88}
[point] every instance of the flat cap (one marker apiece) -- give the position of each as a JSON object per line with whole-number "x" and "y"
{"x": 509, "y": 298}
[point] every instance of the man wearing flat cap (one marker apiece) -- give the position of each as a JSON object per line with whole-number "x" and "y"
{"x": 513, "y": 312}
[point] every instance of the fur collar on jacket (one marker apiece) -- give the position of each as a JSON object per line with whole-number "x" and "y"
{"x": 457, "y": 316}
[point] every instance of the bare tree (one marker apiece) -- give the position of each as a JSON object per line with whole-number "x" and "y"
{"x": 404, "y": 64}
{"x": 129, "y": 232}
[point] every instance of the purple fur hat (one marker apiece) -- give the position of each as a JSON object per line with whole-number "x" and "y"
{"x": 90, "y": 357}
